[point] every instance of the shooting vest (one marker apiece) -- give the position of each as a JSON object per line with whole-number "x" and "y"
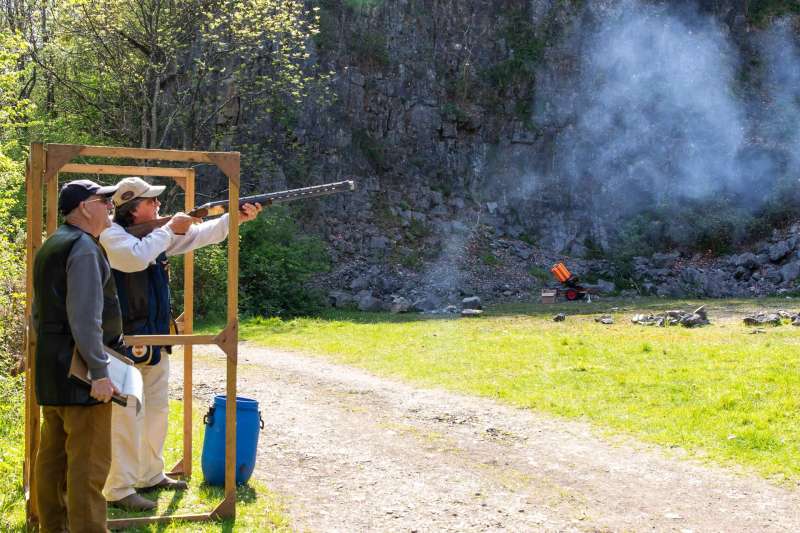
{"x": 144, "y": 299}
{"x": 54, "y": 342}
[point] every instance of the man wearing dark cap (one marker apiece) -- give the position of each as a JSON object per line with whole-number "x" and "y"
{"x": 75, "y": 309}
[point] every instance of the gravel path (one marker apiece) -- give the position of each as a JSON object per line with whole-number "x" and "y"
{"x": 353, "y": 452}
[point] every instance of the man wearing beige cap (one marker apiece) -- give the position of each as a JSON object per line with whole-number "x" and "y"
{"x": 140, "y": 270}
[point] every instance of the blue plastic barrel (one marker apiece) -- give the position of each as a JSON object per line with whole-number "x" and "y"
{"x": 248, "y": 423}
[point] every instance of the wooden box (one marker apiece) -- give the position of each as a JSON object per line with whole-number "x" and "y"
{"x": 549, "y": 296}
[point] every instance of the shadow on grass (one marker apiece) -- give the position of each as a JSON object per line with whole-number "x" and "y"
{"x": 210, "y": 496}
{"x": 171, "y": 508}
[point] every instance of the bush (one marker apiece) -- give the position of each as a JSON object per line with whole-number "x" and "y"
{"x": 698, "y": 226}
{"x": 760, "y": 12}
{"x": 275, "y": 261}
{"x": 12, "y": 265}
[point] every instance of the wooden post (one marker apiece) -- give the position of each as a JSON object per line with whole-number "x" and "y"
{"x": 188, "y": 328}
{"x": 36, "y": 171}
{"x": 231, "y": 168}
{"x": 33, "y": 241}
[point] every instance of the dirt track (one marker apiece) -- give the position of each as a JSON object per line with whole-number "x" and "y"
{"x": 354, "y": 452}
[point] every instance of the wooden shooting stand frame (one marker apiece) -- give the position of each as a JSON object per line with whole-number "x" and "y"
{"x": 45, "y": 162}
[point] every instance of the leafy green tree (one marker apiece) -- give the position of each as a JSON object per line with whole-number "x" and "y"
{"x": 15, "y": 113}
{"x": 176, "y": 73}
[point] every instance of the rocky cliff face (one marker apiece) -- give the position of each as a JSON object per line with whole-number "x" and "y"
{"x": 545, "y": 126}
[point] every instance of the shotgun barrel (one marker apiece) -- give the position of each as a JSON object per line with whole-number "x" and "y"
{"x": 220, "y": 207}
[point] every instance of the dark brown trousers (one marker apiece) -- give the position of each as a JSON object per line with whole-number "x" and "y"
{"x": 74, "y": 458}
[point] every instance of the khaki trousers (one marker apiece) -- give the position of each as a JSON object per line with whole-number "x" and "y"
{"x": 74, "y": 454}
{"x": 137, "y": 441}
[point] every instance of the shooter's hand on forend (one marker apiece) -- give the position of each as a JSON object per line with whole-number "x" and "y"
{"x": 249, "y": 212}
{"x": 181, "y": 222}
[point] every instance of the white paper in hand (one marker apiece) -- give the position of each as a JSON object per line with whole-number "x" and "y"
{"x": 126, "y": 378}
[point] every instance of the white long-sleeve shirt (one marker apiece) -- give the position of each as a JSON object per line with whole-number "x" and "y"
{"x": 127, "y": 253}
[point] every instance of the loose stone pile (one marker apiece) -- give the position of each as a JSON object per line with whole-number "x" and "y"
{"x": 694, "y": 319}
{"x": 771, "y": 318}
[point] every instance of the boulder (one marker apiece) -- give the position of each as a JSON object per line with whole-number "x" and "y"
{"x": 790, "y": 271}
{"x": 515, "y": 231}
{"x": 778, "y": 251}
{"x": 378, "y": 243}
{"x": 399, "y": 305}
{"x": 459, "y": 227}
{"x": 426, "y": 304}
{"x": 388, "y": 284}
{"x": 360, "y": 283}
{"x": 771, "y": 274}
{"x": 340, "y": 299}
{"x": 523, "y": 251}
{"x": 471, "y": 302}
{"x": 367, "y": 302}
{"x": 747, "y": 260}
{"x": 665, "y": 260}
{"x": 763, "y": 319}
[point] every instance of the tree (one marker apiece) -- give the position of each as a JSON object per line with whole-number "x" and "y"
{"x": 175, "y": 73}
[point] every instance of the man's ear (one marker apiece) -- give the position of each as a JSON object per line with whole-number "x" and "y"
{"x": 85, "y": 211}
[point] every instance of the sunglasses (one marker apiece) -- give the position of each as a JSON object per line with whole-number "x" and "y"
{"x": 105, "y": 199}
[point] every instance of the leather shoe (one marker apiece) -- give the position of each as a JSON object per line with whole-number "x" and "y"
{"x": 167, "y": 484}
{"x": 134, "y": 502}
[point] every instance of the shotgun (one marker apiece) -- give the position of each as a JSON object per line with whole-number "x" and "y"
{"x": 221, "y": 207}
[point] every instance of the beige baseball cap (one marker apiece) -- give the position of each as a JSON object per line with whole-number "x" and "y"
{"x": 134, "y": 187}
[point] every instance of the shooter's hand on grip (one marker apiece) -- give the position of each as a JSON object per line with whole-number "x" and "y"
{"x": 181, "y": 222}
{"x": 103, "y": 389}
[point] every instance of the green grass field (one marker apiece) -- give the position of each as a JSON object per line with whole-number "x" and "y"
{"x": 719, "y": 392}
{"x": 256, "y": 510}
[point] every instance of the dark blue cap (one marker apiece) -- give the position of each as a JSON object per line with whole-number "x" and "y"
{"x": 75, "y": 192}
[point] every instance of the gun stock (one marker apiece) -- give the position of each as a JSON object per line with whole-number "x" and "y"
{"x": 221, "y": 207}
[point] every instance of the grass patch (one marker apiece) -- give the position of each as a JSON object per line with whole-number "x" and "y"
{"x": 256, "y": 508}
{"x": 12, "y": 453}
{"x": 715, "y": 391}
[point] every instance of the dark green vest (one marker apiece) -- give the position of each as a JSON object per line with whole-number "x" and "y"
{"x": 54, "y": 342}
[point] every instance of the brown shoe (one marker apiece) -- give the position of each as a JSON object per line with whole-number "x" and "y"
{"x": 167, "y": 484}
{"x": 134, "y": 502}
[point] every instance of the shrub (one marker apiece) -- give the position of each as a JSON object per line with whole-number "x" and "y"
{"x": 542, "y": 274}
{"x": 760, "y": 12}
{"x": 372, "y": 149}
{"x": 275, "y": 261}
{"x": 370, "y": 49}
{"x": 698, "y": 226}
{"x": 12, "y": 264}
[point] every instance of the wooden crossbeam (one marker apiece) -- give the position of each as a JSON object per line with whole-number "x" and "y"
{"x": 130, "y": 170}
{"x": 142, "y": 153}
{"x": 168, "y": 340}
{"x": 123, "y": 523}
